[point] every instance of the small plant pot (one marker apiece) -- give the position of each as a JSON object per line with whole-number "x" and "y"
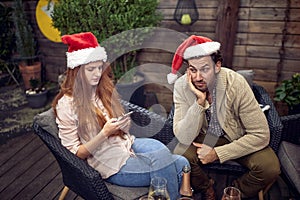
{"x": 30, "y": 72}
{"x": 37, "y": 100}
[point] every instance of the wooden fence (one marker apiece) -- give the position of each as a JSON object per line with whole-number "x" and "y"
{"x": 266, "y": 39}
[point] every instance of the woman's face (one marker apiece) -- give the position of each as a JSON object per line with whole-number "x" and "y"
{"x": 93, "y": 72}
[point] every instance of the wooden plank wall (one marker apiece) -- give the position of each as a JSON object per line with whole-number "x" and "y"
{"x": 52, "y": 53}
{"x": 205, "y": 26}
{"x": 258, "y": 41}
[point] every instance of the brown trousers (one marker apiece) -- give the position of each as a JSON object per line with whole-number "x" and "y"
{"x": 263, "y": 167}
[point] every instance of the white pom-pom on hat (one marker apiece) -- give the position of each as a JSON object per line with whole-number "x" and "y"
{"x": 172, "y": 78}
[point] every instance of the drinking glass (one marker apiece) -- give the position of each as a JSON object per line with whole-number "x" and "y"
{"x": 158, "y": 189}
{"x": 146, "y": 197}
{"x": 231, "y": 193}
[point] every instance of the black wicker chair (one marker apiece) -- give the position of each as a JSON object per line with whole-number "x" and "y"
{"x": 288, "y": 151}
{"x": 77, "y": 174}
{"x": 291, "y": 128}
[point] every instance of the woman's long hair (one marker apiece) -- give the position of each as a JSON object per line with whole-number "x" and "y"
{"x": 90, "y": 117}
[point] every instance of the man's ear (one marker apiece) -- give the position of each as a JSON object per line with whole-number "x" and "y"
{"x": 218, "y": 66}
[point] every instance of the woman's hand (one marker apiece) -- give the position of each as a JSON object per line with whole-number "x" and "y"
{"x": 113, "y": 125}
{"x": 201, "y": 96}
{"x": 125, "y": 124}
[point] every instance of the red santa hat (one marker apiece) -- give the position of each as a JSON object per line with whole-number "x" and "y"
{"x": 83, "y": 49}
{"x": 193, "y": 46}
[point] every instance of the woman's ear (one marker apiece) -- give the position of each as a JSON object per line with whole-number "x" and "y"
{"x": 218, "y": 66}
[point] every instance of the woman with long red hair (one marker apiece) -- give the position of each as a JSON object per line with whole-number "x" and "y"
{"x": 86, "y": 111}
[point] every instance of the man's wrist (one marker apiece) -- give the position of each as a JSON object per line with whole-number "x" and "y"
{"x": 201, "y": 102}
{"x": 216, "y": 155}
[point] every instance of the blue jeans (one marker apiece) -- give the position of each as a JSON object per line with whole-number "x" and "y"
{"x": 152, "y": 159}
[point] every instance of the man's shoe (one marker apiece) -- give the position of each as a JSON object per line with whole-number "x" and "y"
{"x": 209, "y": 194}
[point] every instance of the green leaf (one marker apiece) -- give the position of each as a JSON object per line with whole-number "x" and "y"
{"x": 106, "y": 18}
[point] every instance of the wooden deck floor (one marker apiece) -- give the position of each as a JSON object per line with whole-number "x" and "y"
{"x": 29, "y": 171}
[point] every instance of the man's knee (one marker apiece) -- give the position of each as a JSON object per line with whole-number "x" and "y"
{"x": 268, "y": 167}
{"x": 271, "y": 169}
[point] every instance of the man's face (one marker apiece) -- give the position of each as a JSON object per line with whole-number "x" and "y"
{"x": 203, "y": 72}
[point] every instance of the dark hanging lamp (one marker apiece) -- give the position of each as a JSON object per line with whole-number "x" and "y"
{"x": 186, "y": 12}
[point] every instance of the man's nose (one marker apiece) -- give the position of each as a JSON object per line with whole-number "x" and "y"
{"x": 199, "y": 76}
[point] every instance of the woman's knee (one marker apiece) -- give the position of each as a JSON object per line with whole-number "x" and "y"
{"x": 181, "y": 161}
{"x": 148, "y": 145}
{"x": 156, "y": 143}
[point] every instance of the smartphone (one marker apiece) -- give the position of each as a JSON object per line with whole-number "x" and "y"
{"x": 124, "y": 116}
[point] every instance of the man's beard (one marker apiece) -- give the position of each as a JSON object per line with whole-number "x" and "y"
{"x": 207, "y": 87}
{"x": 204, "y": 89}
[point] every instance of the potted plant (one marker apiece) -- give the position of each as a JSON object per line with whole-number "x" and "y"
{"x": 107, "y": 19}
{"x": 29, "y": 65}
{"x": 36, "y": 95}
{"x": 289, "y": 92}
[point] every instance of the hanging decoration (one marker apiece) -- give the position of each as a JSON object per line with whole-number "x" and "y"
{"x": 186, "y": 12}
{"x": 43, "y": 13}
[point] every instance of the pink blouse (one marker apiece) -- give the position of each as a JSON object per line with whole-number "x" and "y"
{"x": 111, "y": 154}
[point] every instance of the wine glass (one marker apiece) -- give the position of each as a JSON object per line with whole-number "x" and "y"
{"x": 158, "y": 189}
{"x": 146, "y": 197}
{"x": 231, "y": 193}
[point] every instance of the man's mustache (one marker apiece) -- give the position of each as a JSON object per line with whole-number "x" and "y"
{"x": 200, "y": 82}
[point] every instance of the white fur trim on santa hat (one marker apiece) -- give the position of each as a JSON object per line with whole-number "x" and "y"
{"x": 203, "y": 49}
{"x": 171, "y": 78}
{"x": 84, "y": 56}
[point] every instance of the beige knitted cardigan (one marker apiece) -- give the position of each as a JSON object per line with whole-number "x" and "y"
{"x": 239, "y": 115}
